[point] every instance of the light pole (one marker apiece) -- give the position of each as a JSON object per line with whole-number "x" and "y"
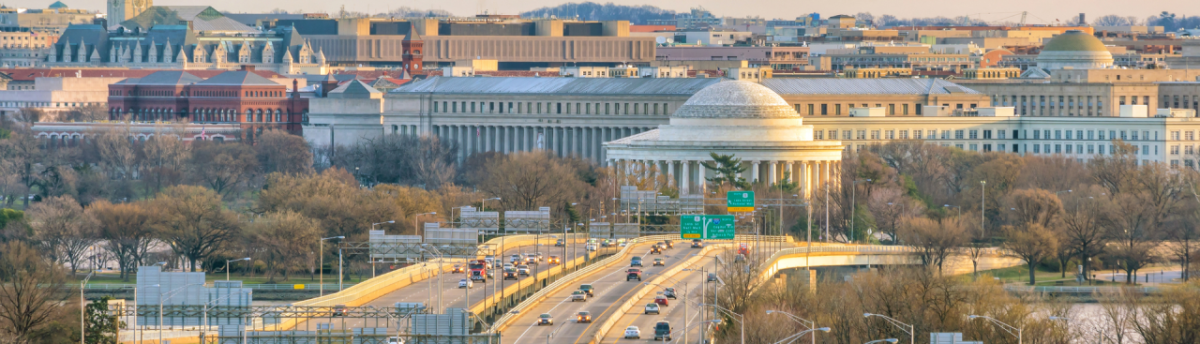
{"x": 741, "y": 319}
{"x": 83, "y": 307}
{"x": 911, "y": 336}
{"x": 982, "y": 204}
{"x": 809, "y": 324}
{"x": 204, "y": 328}
{"x": 432, "y": 250}
{"x": 1066, "y": 322}
{"x": 415, "y": 228}
{"x": 854, "y": 204}
{"x": 373, "y": 258}
{"x": 160, "y": 305}
{"x": 227, "y": 267}
{"x": 1006, "y": 327}
{"x": 321, "y": 268}
{"x": 802, "y": 333}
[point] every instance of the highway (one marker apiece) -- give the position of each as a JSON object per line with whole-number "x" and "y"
{"x": 427, "y": 291}
{"x": 611, "y": 289}
{"x": 674, "y": 312}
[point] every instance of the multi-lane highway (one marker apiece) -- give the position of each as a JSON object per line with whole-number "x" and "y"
{"x": 693, "y": 282}
{"x": 427, "y": 291}
{"x": 611, "y": 290}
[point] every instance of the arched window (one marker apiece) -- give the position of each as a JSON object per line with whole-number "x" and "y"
{"x": 249, "y": 115}
{"x": 278, "y": 115}
{"x": 260, "y": 117}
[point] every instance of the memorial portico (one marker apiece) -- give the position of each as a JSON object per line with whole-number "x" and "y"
{"x": 741, "y": 118}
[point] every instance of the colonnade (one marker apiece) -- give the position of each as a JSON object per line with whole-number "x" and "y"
{"x": 583, "y": 142}
{"x": 689, "y": 175}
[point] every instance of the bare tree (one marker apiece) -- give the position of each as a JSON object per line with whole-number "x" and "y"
{"x": 936, "y": 241}
{"x": 1031, "y": 242}
{"x": 279, "y": 151}
{"x": 87, "y": 113}
{"x": 226, "y": 168}
{"x": 65, "y": 230}
{"x": 193, "y": 221}
{"x": 1082, "y": 226}
{"x": 118, "y": 156}
{"x": 1132, "y": 232}
{"x": 127, "y": 230}
{"x": 285, "y": 238}
{"x": 164, "y": 159}
{"x": 531, "y": 180}
{"x": 890, "y": 206}
{"x": 32, "y": 291}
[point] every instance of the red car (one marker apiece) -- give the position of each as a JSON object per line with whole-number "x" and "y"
{"x": 661, "y": 300}
{"x": 633, "y": 274}
{"x": 743, "y": 249}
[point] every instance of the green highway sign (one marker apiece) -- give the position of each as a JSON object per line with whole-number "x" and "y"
{"x": 706, "y": 227}
{"x": 740, "y": 201}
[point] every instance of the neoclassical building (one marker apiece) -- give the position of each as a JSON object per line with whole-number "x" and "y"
{"x": 741, "y": 118}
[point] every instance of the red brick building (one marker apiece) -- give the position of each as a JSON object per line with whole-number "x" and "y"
{"x": 241, "y": 96}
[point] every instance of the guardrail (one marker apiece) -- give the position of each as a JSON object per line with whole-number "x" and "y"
{"x": 646, "y": 289}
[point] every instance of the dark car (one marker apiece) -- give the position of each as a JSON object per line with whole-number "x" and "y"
{"x": 670, "y": 293}
{"x": 589, "y": 289}
{"x": 340, "y": 310}
{"x": 697, "y": 243}
{"x": 655, "y": 249}
{"x": 584, "y": 317}
{"x": 662, "y": 331}
{"x": 560, "y": 243}
{"x": 510, "y": 274}
{"x": 659, "y": 262}
{"x": 712, "y": 277}
{"x": 545, "y": 319}
{"x": 670, "y": 244}
{"x": 633, "y": 274}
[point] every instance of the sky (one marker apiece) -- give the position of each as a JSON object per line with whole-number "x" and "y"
{"x": 1040, "y": 11}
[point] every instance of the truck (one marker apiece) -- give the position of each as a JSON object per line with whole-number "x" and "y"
{"x": 479, "y": 270}
{"x": 744, "y": 249}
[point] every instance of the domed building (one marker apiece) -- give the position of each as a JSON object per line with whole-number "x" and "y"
{"x": 745, "y": 119}
{"x": 1075, "y": 49}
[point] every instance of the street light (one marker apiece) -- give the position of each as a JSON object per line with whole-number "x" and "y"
{"x": 321, "y": 268}
{"x": 230, "y": 261}
{"x": 897, "y": 323}
{"x": 741, "y": 318}
{"x": 809, "y": 324}
{"x": 388, "y": 221}
{"x": 169, "y": 294}
{"x": 415, "y": 217}
{"x": 1006, "y": 327}
{"x": 83, "y": 306}
{"x": 853, "y": 204}
{"x": 982, "y": 202}
{"x": 373, "y": 258}
{"x": 432, "y": 250}
{"x": 205, "y": 315}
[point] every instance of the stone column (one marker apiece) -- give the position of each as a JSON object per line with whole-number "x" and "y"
{"x": 703, "y": 186}
{"x": 771, "y": 173}
{"x": 671, "y": 173}
{"x": 685, "y": 166}
{"x": 754, "y": 170}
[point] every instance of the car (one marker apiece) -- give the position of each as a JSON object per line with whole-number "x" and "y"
{"x": 554, "y": 260}
{"x": 635, "y": 261}
{"x": 480, "y": 276}
{"x": 659, "y": 262}
{"x": 632, "y": 332}
{"x": 651, "y": 308}
{"x": 590, "y": 247}
{"x": 465, "y": 283}
{"x": 458, "y": 269}
{"x": 540, "y": 257}
{"x": 340, "y": 310}
{"x": 523, "y": 270}
{"x": 545, "y": 319}
{"x": 670, "y": 293}
{"x": 531, "y": 258}
{"x": 579, "y": 295}
{"x": 395, "y": 340}
{"x": 516, "y": 258}
{"x": 606, "y": 243}
{"x": 655, "y": 249}
{"x": 633, "y": 274}
{"x": 712, "y": 277}
{"x": 661, "y": 300}
{"x": 662, "y": 331}
{"x": 740, "y": 258}
{"x": 743, "y": 249}
{"x": 670, "y": 243}
{"x": 661, "y": 244}
{"x": 622, "y": 243}
{"x": 510, "y": 273}
{"x": 583, "y": 317}
{"x": 697, "y": 243}
{"x": 588, "y": 288}
{"x": 509, "y": 266}
{"x": 560, "y": 243}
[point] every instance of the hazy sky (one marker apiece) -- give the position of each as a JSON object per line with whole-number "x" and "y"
{"x": 1040, "y": 11}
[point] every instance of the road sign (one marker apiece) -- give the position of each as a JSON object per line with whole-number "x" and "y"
{"x": 706, "y": 227}
{"x": 740, "y": 201}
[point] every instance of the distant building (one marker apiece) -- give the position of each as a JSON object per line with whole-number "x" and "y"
{"x": 121, "y": 10}
{"x": 44, "y": 21}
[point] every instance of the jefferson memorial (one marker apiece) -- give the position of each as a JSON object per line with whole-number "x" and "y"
{"x": 745, "y": 119}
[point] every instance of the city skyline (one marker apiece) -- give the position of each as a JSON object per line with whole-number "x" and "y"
{"x": 1039, "y": 13}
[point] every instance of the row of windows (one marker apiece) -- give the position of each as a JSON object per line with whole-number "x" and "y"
{"x": 44, "y": 104}
{"x": 165, "y": 93}
{"x": 987, "y": 134}
{"x": 551, "y": 108}
{"x": 891, "y": 109}
{"x": 1044, "y": 148}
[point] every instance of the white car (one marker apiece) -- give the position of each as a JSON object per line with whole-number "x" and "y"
{"x": 466, "y": 283}
{"x": 652, "y": 308}
{"x": 579, "y": 295}
{"x": 632, "y": 332}
{"x": 395, "y": 340}
{"x": 591, "y": 247}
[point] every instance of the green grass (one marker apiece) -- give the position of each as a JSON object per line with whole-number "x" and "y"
{"x": 114, "y": 278}
{"x": 1020, "y": 275}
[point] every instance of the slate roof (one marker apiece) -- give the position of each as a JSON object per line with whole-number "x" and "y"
{"x": 355, "y": 87}
{"x": 787, "y": 87}
{"x": 238, "y": 78}
{"x": 171, "y": 77}
{"x": 587, "y": 86}
{"x": 203, "y": 18}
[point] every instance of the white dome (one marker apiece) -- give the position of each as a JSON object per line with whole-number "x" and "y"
{"x": 735, "y": 99}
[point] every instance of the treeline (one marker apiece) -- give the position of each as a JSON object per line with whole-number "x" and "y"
{"x": 637, "y": 15}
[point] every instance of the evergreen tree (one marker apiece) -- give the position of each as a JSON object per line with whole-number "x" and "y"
{"x": 101, "y": 327}
{"x": 728, "y": 171}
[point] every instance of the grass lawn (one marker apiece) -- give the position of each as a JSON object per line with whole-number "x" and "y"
{"x": 1020, "y": 275}
{"x": 115, "y": 278}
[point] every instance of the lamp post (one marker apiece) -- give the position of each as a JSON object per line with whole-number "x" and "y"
{"x": 982, "y": 204}
{"x": 809, "y": 324}
{"x": 434, "y": 252}
{"x": 235, "y": 260}
{"x": 1006, "y": 327}
{"x": 204, "y": 328}
{"x": 321, "y": 268}
{"x": 83, "y": 307}
{"x": 854, "y": 204}
{"x": 741, "y": 320}
{"x": 897, "y": 323}
{"x": 955, "y": 206}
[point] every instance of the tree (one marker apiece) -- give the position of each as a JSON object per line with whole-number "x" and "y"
{"x": 1031, "y": 242}
{"x": 64, "y": 228}
{"x": 1112, "y": 20}
{"x": 193, "y": 221}
{"x": 1036, "y": 206}
{"x": 32, "y": 291}
{"x": 102, "y": 328}
{"x": 127, "y": 230}
{"x": 727, "y": 170}
{"x": 531, "y": 180}
{"x": 164, "y": 160}
{"x": 223, "y": 167}
{"x": 279, "y": 151}
{"x": 23, "y": 156}
{"x": 87, "y": 113}
{"x": 1082, "y": 226}
{"x": 935, "y": 241}
{"x": 1132, "y": 232}
{"x": 118, "y": 156}
{"x": 890, "y": 206}
{"x": 285, "y": 239}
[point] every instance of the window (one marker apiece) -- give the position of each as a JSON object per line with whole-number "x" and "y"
{"x": 1145, "y": 150}
{"x": 1091, "y": 149}
{"x": 1057, "y": 135}
{"x": 946, "y": 134}
{"x": 875, "y": 134}
{"x": 1190, "y": 135}
{"x": 810, "y": 109}
{"x": 958, "y": 134}
{"x": 1100, "y": 135}
{"x": 862, "y": 135}
{"x": 904, "y": 134}
{"x": 1037, "y": 148}
{"x": 824, "y": 109}
{"x": 833, "y": 134}
{"x": 846, "y": 135}
{"x": 890, "y": 135}
{"x": 987, "y": 134}
{"x": 974, "y": 147}
{"x": 1068, "y": 149}
{"x": 917, "y": 134}
{"x": 974, "y": 134}
{"x": 837, "y": 109}
{"x": 999, "y": 135}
